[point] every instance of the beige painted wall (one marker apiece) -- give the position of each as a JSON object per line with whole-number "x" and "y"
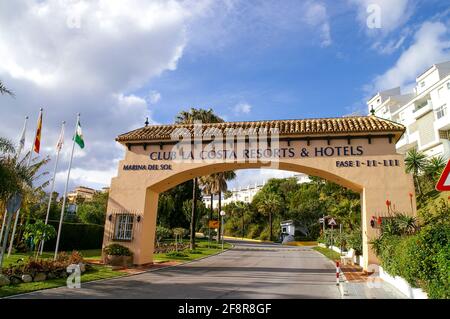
{"x": 137, "y": 190}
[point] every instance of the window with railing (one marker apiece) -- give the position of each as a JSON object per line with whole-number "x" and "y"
{"x": 441, "y": 111}
{"x": 124, "y": 227}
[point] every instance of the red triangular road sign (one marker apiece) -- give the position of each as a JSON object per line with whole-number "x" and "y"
{"x": 444, "y": 181}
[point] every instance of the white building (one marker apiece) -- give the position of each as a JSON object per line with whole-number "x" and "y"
{"x": 245, "y": 194}
{"x": 424, "y": 112}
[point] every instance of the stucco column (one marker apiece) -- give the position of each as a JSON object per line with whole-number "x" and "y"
{"x": 373, "y": 203}
{"x": 131, "y": 197}
{"x": 144, "y": 234}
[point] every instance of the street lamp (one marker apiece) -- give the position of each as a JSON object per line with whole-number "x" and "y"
{"x": 222, "y": 214}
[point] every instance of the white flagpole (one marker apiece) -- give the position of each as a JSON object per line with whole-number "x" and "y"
{"x": 28, "y": 165}
{"x": 65, "y": 189}
{"x": 19, "y": 150}
{"x": 52, "y": 188}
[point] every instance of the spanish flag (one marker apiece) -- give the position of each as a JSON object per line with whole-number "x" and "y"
{"x": 37, "y": 140}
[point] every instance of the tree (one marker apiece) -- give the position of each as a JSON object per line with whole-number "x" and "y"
{"x": 270, "y": 203}
{"x": 94, "y": 211}
{"x": 189, "y": 117}
{"x": 219, "y": 185}
{"x": 434, "y": 168}
{"x": 39, "y": 232}
{"x": 415, "y": 162}
{"x": 4, "y": 90}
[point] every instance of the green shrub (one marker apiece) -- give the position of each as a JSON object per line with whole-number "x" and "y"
{"x": 354, "y": 240}
{"x": 422, "y": 259}
{"x": 177, "y": 254}
{"x": 117, "y": 250}
{"x": 162, "y": 233}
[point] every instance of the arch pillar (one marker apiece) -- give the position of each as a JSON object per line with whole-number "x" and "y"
{"x": 373, "y": 203}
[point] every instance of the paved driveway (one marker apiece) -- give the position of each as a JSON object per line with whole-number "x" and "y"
{"x": 246, "y": 271}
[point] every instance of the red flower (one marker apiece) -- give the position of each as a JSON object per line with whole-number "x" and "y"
{"x": 379, "y": 221}
{"x": 388, "y": 203}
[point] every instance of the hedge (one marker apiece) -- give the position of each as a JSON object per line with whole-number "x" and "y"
{"x": 77, "y": 236}
{"x": 422, "y": 259}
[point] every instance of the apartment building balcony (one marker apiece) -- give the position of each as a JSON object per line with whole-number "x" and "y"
{"x": 422, "y": 108}
{"x": 442, "y": 122}
{"x": 407, "y": 142}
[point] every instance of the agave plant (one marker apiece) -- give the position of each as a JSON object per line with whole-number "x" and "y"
{"x": 406, "y": 224}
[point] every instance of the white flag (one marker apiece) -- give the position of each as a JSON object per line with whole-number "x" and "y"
{"x": 22, "y": 138}
{"x": 60, "y": 142}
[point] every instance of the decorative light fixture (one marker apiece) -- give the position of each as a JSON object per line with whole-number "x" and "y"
{"x": 110, "y": 217}
{"x": 138, "y": 218}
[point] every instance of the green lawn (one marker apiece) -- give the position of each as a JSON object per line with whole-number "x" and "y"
{"x": 330, "y": 254}
{"x": 102, "y": 272}
{"x": 202, "y": 250}
{"x": 97, "y": 272}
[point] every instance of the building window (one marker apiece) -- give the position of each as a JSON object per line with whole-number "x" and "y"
{"x": 124, "y": 227}
{"x": 422, "y": 84}
{"x": 441, "y": 111}
{"x": 448, "y": 85}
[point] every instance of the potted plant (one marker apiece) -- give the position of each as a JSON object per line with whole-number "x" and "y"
{"x": 118, "y": 255}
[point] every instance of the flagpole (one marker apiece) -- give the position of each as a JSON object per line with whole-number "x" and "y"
{"x": 28, "y": 165}
{"x": 19, "y": 150}
{"x": 65, "y": 188}
{"x": 52, "y": 188}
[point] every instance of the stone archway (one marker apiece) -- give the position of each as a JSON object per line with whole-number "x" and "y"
{"x": 355, "y": 152}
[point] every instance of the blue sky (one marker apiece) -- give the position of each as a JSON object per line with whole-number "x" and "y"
{"x": 118, "y": 62}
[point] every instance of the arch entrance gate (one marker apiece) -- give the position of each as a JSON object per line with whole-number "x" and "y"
{"x": 355, "y": 152}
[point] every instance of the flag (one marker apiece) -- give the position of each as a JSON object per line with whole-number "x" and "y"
{"x": 37, "y": 140}
{"x": 60, "y": 142}
{"x": 22, "y": 138}
{"x": 79, "y": 136}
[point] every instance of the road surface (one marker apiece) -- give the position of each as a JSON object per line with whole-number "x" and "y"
{"x": 249, "y": 270}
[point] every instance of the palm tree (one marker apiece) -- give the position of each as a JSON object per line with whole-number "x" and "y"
{"x": 239, "y": 209}
{"x": 415, "y": 162}
{"x": 219, "y": 185}
{"x": 434, "y": 168}
{"x": 16, "y": 175}
{"x": 206, "y": 183}
{"x": 188, "y": 117}
{"x": 268, "y": 204}
{"x": 4, "y": 90}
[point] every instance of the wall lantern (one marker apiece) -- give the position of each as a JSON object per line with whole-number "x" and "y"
{"x": 110, "y": 217}
{"x": 138, "y": 218}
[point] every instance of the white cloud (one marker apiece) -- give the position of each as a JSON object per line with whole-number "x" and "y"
{"x": 316, "y": 16}
{"x": 390, "y": 47}
{"x": 242, "y": 108}
{"x": 154, "y": 97}
{"x": 393, "y": 14}
{"x": 431, "y": 45}
{"x": 86, "y": 56}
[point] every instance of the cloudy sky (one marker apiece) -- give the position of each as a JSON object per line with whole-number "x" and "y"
{"x": 117, "y": 62}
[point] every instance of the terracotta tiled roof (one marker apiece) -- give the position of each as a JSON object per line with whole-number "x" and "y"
{"x": 306, "y": 127}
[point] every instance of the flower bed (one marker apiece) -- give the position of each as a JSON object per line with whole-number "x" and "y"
{"x": 37, "y": 269}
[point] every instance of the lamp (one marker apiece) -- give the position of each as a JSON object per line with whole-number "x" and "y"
{"x": 138, "y": 218}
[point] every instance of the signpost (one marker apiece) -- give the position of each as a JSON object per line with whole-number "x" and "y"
{"x": 332, "y": 223}
{"x": 213, "y": 224}
{"x": 444, "y": 181}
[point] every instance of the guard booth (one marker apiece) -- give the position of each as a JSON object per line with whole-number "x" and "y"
{"x": 290, "y": 229}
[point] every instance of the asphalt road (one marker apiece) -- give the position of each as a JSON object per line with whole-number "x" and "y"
{"x": 246, "y": 271}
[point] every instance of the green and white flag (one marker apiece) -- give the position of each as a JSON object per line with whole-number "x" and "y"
{"x": 79, "y": 136}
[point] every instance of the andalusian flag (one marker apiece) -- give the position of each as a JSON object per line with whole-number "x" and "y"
{"x": 79, "y": 136}
{"x": 37, "y": 139}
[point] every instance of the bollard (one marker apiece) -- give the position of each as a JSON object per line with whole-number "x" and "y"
{"x": 338, "y": 270}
